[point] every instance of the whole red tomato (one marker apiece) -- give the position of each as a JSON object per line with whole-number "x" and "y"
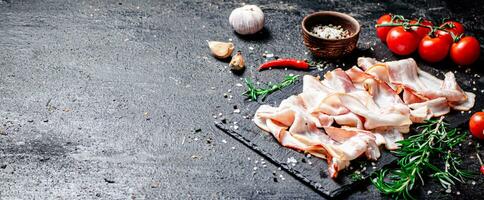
{"x": 444, "y": 35}
{"x": 401, "y": 41}
{"x": 433, "y": 49}
{"x": 382, "y": 32}
{"x": 421, "y": 31}
{"x": 476, "y": 125}
{"x": 466, "y": 51}
{"x": 457, "y": 30}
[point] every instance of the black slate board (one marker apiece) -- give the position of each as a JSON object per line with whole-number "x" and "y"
{"x": 315, "y": 174}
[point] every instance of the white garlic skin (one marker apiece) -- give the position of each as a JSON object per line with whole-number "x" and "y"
{"x": 246, "y": 20}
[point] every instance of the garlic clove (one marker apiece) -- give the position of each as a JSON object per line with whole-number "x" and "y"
{"x": 221, "y": 49}
{"x": 237, "y": 63}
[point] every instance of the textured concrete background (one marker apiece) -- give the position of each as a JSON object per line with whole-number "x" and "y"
{"x": 115, "y": 99}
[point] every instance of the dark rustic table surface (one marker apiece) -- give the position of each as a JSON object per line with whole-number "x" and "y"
{"x": 116, "y": 99}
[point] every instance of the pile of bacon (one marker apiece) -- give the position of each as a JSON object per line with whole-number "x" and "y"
{"x": 352, "y": 112}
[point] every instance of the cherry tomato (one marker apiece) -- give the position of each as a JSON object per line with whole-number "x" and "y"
{"x": 382, "y": 32}
{"x": 401, "y": 41}
{"x": 466, "y": 51}
{"x": 444, "y": 35}
{"x": 457, "y": 30}
{"x": 433, "y": 49}
{"x": 476, "y": 125}
{"x": 421, "y": 31}
{"x": 482, "y": 169}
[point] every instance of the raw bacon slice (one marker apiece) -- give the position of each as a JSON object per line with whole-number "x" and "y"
{"x": 436, "y": 107}
{"x": 374, "y": 118}
{"x": 418, "y": 86}
{"x": 464, "y": 105}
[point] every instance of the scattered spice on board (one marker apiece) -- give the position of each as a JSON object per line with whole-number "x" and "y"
{"x": 330, "y": 32}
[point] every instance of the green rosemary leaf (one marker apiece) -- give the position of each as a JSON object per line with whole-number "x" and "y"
{"x": 254, "y": 93}
{"x": 435, "y": 140}
{"x": 356, "y": 176}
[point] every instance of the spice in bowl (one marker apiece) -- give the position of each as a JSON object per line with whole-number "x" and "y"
{"x": 330, "y": 32}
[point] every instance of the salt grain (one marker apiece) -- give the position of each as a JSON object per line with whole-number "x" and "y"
{"x": 224, "y": 141}
{"x": 292, "y": 161}
{"x": 330, "y": 32}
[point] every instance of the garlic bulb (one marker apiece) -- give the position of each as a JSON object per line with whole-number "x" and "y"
{"x": 248, "y": 19}
{"x": 221, "y": 49}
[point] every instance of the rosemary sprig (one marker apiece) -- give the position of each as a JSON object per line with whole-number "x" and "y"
{"x": 355, "y": 176}
{"x": 415, "y": 154}
{"x": 253, "y": 93}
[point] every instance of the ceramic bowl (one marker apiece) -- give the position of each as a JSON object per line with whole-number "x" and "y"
{"x": 330, "y": 48}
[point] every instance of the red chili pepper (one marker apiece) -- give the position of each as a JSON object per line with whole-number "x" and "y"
{"x": 286, "y": 62}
